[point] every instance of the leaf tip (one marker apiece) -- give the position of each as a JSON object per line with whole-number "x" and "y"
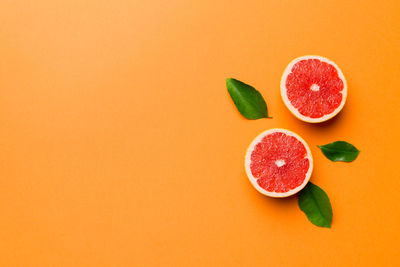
{"x": 229, "y": 80}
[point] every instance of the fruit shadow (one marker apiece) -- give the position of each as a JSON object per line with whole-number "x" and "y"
{"x": 326, "y": 126}
{"x": 284, "y": 202}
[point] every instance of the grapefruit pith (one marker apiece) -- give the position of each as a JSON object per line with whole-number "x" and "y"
{"x": 313, "y": 88}
{"x": 278, "y": 163}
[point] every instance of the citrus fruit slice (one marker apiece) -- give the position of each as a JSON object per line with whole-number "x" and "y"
{"x": 313, "y": 88}
{"x": 278, "y": 163}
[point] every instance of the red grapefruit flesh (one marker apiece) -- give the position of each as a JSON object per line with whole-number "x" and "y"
{"x": 278, "y": 163}
{"x": 313, "y": 88}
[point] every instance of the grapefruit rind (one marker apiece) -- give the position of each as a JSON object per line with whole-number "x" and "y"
{"x": 292, "y": 109}
{"x": 253, "y": 180}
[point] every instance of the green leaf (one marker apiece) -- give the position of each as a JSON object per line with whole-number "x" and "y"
{"x": 340, "y": 151}
{"x": 314, "y": 202}
{"x": 247, "y": 99}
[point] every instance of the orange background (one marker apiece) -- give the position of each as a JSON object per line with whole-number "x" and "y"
{"x": 121, "y": 147}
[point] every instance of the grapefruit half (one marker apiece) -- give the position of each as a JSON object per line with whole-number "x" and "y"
{"x": 278, "y": 163}
{"x": 313, "y": 88}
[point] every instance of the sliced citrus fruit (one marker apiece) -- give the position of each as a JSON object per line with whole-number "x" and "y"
{"x": 278, "y": 163}
{"x": 313, "y": 88}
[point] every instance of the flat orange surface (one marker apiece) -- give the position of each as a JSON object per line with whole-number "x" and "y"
{"x": 119, "y": 144}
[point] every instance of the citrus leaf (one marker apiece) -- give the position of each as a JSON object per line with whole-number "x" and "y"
{"x": 314, "y": 202}
{"x": 340, "y": 151}
{"x": 247, "y": 99}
